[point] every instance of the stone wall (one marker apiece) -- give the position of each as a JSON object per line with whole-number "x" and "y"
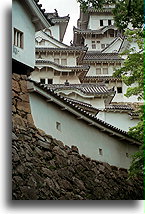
{"x": 45, "y": 169}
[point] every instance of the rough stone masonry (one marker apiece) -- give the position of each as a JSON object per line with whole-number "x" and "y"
{"x": 43, "y": 168}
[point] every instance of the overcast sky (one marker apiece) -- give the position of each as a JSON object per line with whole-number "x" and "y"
{"x": 64, "y": 8}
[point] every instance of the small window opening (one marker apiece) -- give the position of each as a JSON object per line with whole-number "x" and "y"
{"x": 109, "y": 22}
{"x": 98, "y": 70}
{"x": 101, "y": 22}
{"x": 100, "y": 151}
{"x": 58, "y": 126}
{"x": 119, "y": 90}
{"x": 18, "y": 38}
{"x": 105, "y": 70}
{"x": 50, "y": 81}
{"x": 102, "y": 46}
{"x": 42, "y": 81}
{"x": 56, "y": 60}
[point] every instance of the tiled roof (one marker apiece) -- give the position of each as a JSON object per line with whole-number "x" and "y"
{"x": 84, "y": 88}
{"x": 101, "y": 124}
{"x": 56, "y": 18}
{"x": 89, "y": 31}
{"x": 101, "y": 10}
{"x": 103, "y": 78}
{"x": 43, "y": 11}
{"x": 118, "y": 107}
{"x": 47, "y": 62}
{"x": 82, "y": 104}
{"x": 69, "y": 48}
{"x": 102, "y": 56}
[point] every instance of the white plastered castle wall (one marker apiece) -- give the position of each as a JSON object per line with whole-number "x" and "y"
{"x": 117, "y": 119}
{"x": 76, "y": 132}
{"x": 94, "y": 21}
{"x": 25, "y": 55}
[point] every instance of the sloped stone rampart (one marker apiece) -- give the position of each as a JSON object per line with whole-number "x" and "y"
{"x": 45, "y": 169}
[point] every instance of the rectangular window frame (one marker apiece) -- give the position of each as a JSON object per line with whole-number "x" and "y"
{"x": 99, "y": 71}
{"x": 93, "y": 44}
{"x": 56, "y": 60}
{"x": 109, "y": 22}
{"x": 50, "y": 81}
{"x": 103, "y": 46}
{"x": 42, "y": 80}
{"x": 100, "y": 151}
{"x": 119, "y": 90}
{"x": 63, "y": 61}
{"x": 101, "y": 22}
{"x": 18, "y": 38}
{"x": 105, "y": 70}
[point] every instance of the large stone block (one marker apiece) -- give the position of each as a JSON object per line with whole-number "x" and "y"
{"x": 23, "y": 106}
{"x": 15, "y": 86}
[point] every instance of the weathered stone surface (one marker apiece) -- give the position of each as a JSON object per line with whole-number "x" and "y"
{"x": 24, "y": 97}
{"x": 18, "y": 121}
{"x": 47, "y": 172}
{"x": 30, "y": 119}
{"x": 23, "y": 106}
{"x": 45, "y": 169}
{"x": 23, "y": 86}
{"x": 15, "y": 86}
{"x": 58, "y": 151}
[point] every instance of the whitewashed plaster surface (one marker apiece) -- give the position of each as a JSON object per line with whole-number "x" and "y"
{"x": 22, "y": 22}
{"x": 76, "y": 132}
{"x": 117, "y": 119}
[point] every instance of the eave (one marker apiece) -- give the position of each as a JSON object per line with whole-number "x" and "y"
{"x": 39, "y": 18}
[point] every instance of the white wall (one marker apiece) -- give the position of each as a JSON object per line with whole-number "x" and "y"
{"x": 103, "y": 40}
{"x": 76, "y": 132}
{"x": 94, "y": 21}
{"x": 22, "y": 22}
{"x": 55, "y": 30}
{"x": 119, "y": 120}
{"x": 92, "y": 70}
{"x": 48, "y": 73}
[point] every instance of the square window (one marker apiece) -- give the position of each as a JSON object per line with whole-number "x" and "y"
{"x": 105, "y": 70}
{"x": 93, "y": 46}
{"x": 50, "y": 81}
{"x": 119, "y": 90}
{"x": 56, "y": 60}
{"x": 63, "y": 61}
{"x": 42, "y": 81}
{"x": 98, "y": 70}
{"x": 58, "y": 126}
{"x": 18, "y": 38}
{"x": 101, "y": 22}
{"x": 100, "y": 151}
{"x": 102, "y": 46}
{"x": 98, "y": 41}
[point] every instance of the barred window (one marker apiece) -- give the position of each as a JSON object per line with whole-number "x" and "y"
{"x": 18, "y": 38}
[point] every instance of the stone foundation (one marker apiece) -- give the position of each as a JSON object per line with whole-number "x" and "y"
{"x": 45, "y": 169}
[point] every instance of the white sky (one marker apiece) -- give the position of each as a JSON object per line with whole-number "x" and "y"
{"x": 64, "y": 8}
